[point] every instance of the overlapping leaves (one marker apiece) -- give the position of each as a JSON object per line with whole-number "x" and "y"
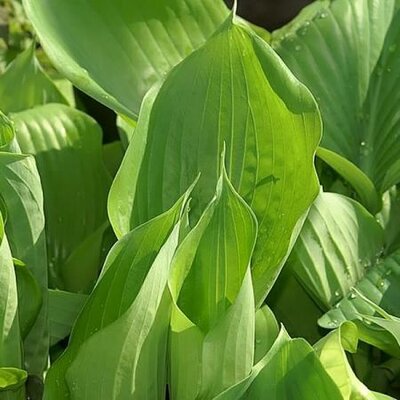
{"x": 355, "y": 82}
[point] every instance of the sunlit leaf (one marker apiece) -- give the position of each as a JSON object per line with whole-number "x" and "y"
{"x": 140, "y": 40}
{"x": 67, "y": 147}
{"x": 233, "y": 91}
{"x": 354, "y": 81}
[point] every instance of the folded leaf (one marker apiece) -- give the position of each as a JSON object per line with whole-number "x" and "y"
{"x": 213, "y": 321}
{"x": 64, "y": 308}
{"x": 21, "y": 191}
{"x": 126, "y": 316}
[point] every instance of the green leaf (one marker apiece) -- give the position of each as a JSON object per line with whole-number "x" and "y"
{"x": 64, "y": 308}
{"x": 213, "y": 321}
{"x": 293, "y": 372}
{"x": 126, "y": 127}
{"x": 67, "y": 147}
{"x": 383, "y": 333}
{"x": 233, "y": 91}
{"x": 331, "y": 351}
{"x": 29, "y": 298}
{"x": 337, "y": 259}
{"x": 21, "y": 191}
{"x": 24, "y": 85}
{"x": 142, "y": 41}
{"x": 10, "y": 347}
{"x": 294, "y": 308}
{"x": 113, "y": 154}
{"x": 365, "y": 189}
{"x": 290, "y": 370}
{"x": 126, "y": 316}
{"x": 355, "y": 81}
{"x": 339, "y": 240}
{"x": 389, "y": 218}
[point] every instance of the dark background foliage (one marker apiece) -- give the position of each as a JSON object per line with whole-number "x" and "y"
{"x": 269, "y": 14}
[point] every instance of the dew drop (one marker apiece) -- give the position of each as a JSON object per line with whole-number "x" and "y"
{"x": 381, "y": 284}
{"x": 322, "y": 14}
{"x": 337, "y": 293}
{"x": 289, "y": 38}
{"x": 298, "y": 47}
{"x": 334, "y": 322}
{"x": 364, "y": 149}
{"x": 388, "y": 69}
{"x": 393, "y": 48}
{"x": 352, "y": 296}
{"x": 302, "y": 31}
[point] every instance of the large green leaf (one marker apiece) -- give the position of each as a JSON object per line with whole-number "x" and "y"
{"x": 234, "y": 91}
{"x": 128, "y": 44}
{"x": 354, "y": 80}
{"x": 127, "y": 317}
{"x": 337, "y": 244}
{"x": 24, "y": 85}
{"x": 21, "y": 191}
{"x": 213, "y": 321}
{"x": 67, "y": 147}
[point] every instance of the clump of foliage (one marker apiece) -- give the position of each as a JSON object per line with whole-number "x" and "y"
{"x": 240, "y": 240}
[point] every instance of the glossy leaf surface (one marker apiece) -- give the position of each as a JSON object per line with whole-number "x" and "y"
{"x": 234, "y": 91}
{"x": 21, "y": 192}
{"x": 355, "y": 82}
{"x": 127, "y": 317}
{"x": 140, "y": 40}
{"x": 67, "y": 147}
{"x": 213, "y": 321}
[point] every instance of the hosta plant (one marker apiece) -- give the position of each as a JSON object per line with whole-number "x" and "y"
{"x": 240, "y": 241}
